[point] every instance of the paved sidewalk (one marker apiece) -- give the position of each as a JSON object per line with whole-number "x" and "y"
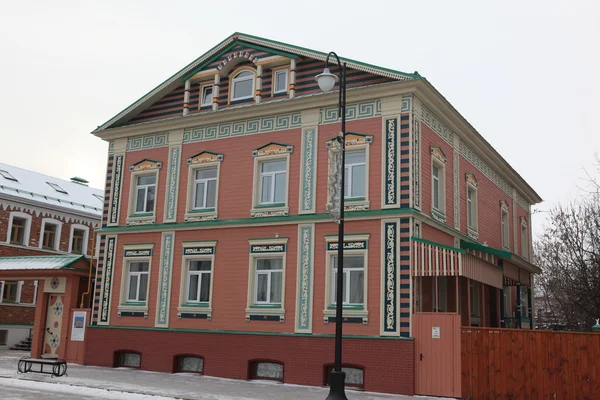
{"x": 136, "y": 384}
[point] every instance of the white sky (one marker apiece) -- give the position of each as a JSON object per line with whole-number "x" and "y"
{"x": 525, "y": 74}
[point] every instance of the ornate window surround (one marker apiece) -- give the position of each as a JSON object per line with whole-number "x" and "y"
{"x": 199, "y": 247}
{"x": 86, "y": 235}
{"x": 438, "y": 159}
{"x": 504, "y": 230}
{"x": 354, "y": 142}
{"x": 124, "y": 305}
{"x": 26, "y": 233}
{"x": 267, "y": 309}
{"x": 143, "y": 167}
{"x": 270, "y": 152}
{"x": 204, "y": 159}
{"x": 347, "y": 311}
{"x": 58, "y": 224}
{"x": 471, "y": 185}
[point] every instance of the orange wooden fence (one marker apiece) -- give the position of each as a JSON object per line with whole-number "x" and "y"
{"x": 529, "y": 365}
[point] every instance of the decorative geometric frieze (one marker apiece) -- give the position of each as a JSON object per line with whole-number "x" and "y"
{"x": 142, "y": 221}
{"x": 107, "y": 275}
{"x": 40, "y": 212}
{"x": 356, "y": 207}
{"x": 115, "y": 200}
{"x": 147, "y": 142}
{"x": 172, "y": 184}
{"x": 366, "y": 109}
{"x": 273, "y": 149}
{"x": 244, "y": 127}
{"x": 201, "y": 217}
{"x": 390, "y": 190}
{"x": 390, "y": 279}
{"x": 309, "y": 163}
{"x": 522, "y": 202}
{"x": 349, "y": 245}
{"x": 352, "y": 139}
{"x": 304, "y": 294}
{"x": 164, "y": 280}
{"x": 111, "y": 147}
{"x": 205, "y": 157}
{"x": 138, "y": 253}
{"x": 428, "y": 118}
{"x": 145, "y": 165}
{"x": 264, "y": 214}
{"x": 484, "y": 168}
{"x": 416, "y": 175}
{"x": 406, "y": 103}
{"x": 267, "y": 248}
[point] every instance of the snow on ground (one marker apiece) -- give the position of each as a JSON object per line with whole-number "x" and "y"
{"x": 92, "y": 383}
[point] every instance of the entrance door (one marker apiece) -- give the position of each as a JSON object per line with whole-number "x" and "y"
{"x": 437, "y": 354}
{"x": 54, "y": 316}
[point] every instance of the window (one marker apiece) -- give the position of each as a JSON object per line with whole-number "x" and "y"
{"x": 438, "y": 183}
{"x": 508, "y": 310}
{"x": 198, "y": 288}
{"x": 189, "y": 363}
{"x": 17, "y": 233}
{"x": 273, "y": 185}
{"x": 7, "y": 175}
{"x": 268, "y": 278}
{"x": 10, "y": 292}
{"x": 280, "y": 81}
{"x": 504, "y": 225}
{"x": 355, "y": 375}
{"x": 475, "y": 296}
{"x": 137, "y": 281}
{"x": 355, "y": 183}
{"x": 77, "y": 241}
{"x": 266, "y": 370}
{"x": 436, "y": 188}
{"x": 354, "y": 280}
{"x": 49, "y": 236}
{"x": 471, "y": 208}
{"x": 207, "y": 95}
{"x": 524, "y": 301}
{"x": 128, "y": 359}
{"x": 205, "y": 188}
{"x": 57, "y": 188}
{"x": 242, "y": 86}
{"x": 3, "y": 336}
{"x": 145, "y": 191}
{"x": 524, "y": 240}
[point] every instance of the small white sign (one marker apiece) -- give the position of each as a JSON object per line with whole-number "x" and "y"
{"x": 78, "y": 328}
{"x": 435, "y": 332}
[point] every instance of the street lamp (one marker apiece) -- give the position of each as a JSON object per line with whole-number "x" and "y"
{"x": 326, "y": 82}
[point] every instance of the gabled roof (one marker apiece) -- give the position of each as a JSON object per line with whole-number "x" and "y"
{"x": 33, "y": 263}
{"x": 18, "y": 183}
{"x": 221, "y": 48}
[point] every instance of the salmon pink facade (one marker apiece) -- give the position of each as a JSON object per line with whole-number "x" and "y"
{"x": 218, "y": 254}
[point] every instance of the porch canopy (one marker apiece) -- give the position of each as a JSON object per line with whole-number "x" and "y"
{"x": 34, "y": 267}
{"x": 434, "y": 259}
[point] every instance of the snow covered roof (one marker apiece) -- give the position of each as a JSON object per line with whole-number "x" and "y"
{"x": 53, "y": 192}
{"x": 39, "y": 262}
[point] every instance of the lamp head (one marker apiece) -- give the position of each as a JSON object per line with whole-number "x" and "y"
{"x": 326, "y": 80}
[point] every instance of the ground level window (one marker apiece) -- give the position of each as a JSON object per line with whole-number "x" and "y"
{"x": 266, "y": 370}
{"x": 355, "y": 375}
{"x": 189, "y": 363}
{"x": 3, "y": 336}
{"x": 128, "y": 359}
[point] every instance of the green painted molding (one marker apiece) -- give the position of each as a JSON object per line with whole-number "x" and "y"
{"x": 224, "y": 332}
{"x": 250, "y": 221}
{"x": 486, "y": 249}
{"x": 443, "y": 246}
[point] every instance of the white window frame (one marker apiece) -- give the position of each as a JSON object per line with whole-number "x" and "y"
{"x": 201, "y": 213}
{"x": 505, "y": 228}
{"x": 438, "y": 160}
{"x": 524, "y": 239}
{"x": 347, "y": 270}
{"x": 234, "y": 79}
{"x": 145, "y": 187}
{"x": 268, "y": 273}
{"x": 86, "y": 233}
{"x": 196, "y": 181}
{"x": 202, "y": 88}
{"x": 18, "y": 295}
{"x": 273, "y": 177}
{"x": 58, "y": 224}
{"x": 252, "y": 307}
{"x": 138, "y": 275}
{"x": 27, "y": 231}
{"x": 259, "y": 207}
{"x": 472, "y": 226}
{"x": 285, "y": 71}
{"x": 125, "y": 305}
{"x": 184, "y": 304}
{"x": 348, "y": 310}
{"x": 132, "y": 215}
{"x": 348, "y": 177}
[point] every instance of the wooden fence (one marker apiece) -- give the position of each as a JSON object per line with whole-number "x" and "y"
{"x": 529, "y": 365}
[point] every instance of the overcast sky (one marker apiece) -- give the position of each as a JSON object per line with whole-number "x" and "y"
{"x": 525, "y": 74}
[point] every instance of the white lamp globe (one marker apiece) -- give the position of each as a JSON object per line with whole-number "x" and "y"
{"x": 326, "y": 80}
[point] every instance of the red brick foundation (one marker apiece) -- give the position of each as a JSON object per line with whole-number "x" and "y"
{"x": 388, "y": 363}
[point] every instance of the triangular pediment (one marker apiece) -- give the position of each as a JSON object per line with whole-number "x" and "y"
{"x": 272, "y": 149}
{"x": 145, "y": 165}
{"x": 353, "y": 139}
{"x": 205, "y": 157}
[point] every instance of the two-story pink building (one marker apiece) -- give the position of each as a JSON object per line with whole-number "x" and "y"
{"x": 218, "y": 254}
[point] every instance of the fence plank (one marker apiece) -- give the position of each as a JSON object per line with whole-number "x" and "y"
{"x": 524, "y": 364}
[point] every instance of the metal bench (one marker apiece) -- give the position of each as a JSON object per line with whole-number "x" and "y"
{"x": 58, "y": 367}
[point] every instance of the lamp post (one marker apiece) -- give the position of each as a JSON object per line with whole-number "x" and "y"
{"x": 326, "y": 82}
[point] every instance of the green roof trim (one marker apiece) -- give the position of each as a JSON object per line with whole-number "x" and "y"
{"x": 34, "y": 263}
{"x": 486, "y": 249}
{"x": 443, "y": 246}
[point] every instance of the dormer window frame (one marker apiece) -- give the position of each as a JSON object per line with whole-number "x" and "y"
{"x": 7, "y": 175}
{"x": 285, "y": 70}
{"x": 205, "y": 86}
{"x": 235, "y": 79}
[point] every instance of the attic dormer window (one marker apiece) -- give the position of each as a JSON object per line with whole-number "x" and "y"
{"x": 57, "y": 188}
{"x": 242, "y": 86}
{"x": 7, "y": 175}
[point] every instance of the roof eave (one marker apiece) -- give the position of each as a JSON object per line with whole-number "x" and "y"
{"x": 57, "y": 207}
